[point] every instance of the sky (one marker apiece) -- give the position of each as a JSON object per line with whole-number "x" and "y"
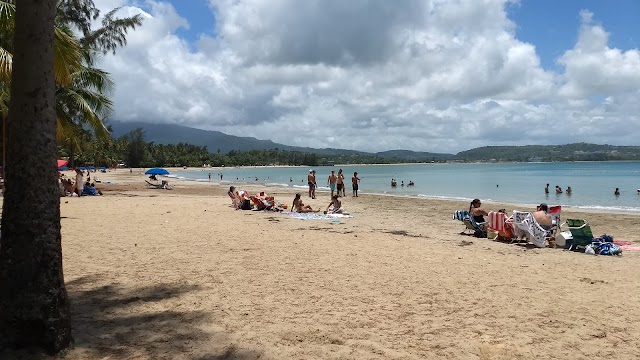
{"x": 376, "y": 75}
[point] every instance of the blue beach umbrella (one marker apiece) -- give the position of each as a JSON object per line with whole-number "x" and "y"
{"x": 82, "y": 168}
{"x": 92, "y": 167}
{"x": 102, "y": 168}
{"x": 156, "y": 171}
{"x": 63, "y": 168}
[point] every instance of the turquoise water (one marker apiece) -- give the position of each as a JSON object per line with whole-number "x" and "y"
{"x": 593, "y": 183}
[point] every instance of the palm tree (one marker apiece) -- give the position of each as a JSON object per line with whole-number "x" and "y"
{"x": 34, "y": 308}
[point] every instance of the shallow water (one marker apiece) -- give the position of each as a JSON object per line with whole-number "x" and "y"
{"x": 593, "y": 183}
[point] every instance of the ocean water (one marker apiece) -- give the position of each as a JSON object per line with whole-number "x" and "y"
{"x": 593, "y": 183}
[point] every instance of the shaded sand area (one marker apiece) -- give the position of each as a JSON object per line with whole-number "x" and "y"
{"x": 157, "y": 274}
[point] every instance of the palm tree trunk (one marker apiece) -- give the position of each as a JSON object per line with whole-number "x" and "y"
{"x": 34, "y": 309}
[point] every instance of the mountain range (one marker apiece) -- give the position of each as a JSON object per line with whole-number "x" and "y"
{"x": 216, "y": 141}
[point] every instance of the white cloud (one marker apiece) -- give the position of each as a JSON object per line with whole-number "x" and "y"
{"x": 593, "y": 68}
{"x": 429, "y": 75}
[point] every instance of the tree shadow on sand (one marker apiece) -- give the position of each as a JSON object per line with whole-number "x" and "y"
{"x": 147, "y": 322}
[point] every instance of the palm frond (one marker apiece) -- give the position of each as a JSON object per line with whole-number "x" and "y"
{"x": 112, "y": 34}
{"x": 67, "y": 56}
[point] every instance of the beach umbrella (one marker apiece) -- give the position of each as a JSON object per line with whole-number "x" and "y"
{"x": 62, "y": 163}
{"x": 102, "y": 168}
{"x": 82, "y": 168}
{"x": 156, "y": 171}
{"x": 63, "y": 168}
{"x": 92, "y": 167}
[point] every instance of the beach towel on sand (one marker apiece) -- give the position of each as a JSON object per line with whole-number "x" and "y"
{"x": 315, "y": 216}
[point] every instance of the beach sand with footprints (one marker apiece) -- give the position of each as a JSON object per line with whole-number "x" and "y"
{"x": 158, "y": 274}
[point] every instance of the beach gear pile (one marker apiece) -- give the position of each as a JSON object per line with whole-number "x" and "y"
{"x": 523, "y": 226}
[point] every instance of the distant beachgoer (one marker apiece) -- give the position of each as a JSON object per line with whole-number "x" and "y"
{"x": 558, "y": 189}
{"x": 617, "y": 192}
{"x": 354, "y": 184}
{"x": 393, "y": 182}
{"x": 290, "y": 179}
{"x": 340, "y": 183}
{"x": 153, "y": 177}
{"x": 546, "y": 189}
{"x": 331, "y": 181}
{"x": 568, "y": 191}
{"x": 402, "y": 183}
{"x": 209, "y": 176}
{"x": 335, "y": 205}
{"x": 79, "y": 186}
{"x": 311, "y": 180}
{"x": 298, "y": 206}
{"x": 542, "y": 216}
{"x": 410, "y": 183}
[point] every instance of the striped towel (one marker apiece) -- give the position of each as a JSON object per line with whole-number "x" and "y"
{"x": 461, "y": 215}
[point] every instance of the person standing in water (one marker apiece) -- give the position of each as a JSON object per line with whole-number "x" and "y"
{"x": 617, "y": 192}
{"x": 546, "y": 189}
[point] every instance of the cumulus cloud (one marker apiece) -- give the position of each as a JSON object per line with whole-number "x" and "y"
{"x": 427, "y": 75}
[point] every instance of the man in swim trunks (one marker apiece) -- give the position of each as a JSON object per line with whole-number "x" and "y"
{"x": 354, "y": 183}
{"x": 331, "y": 181}
{"x": 340, "y": 183}
{"x": 311, "y": 179}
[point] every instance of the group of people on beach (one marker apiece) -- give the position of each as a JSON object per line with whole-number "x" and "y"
{"x": 78, "y": 188}
{"x": 241, "y": 199}
{"x": 335, "y": 182}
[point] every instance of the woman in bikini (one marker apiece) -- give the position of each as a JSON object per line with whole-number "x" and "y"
{"x": 298, "y": 206}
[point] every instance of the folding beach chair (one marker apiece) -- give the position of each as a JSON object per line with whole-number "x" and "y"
{"x": 580, "y": 231}
{"x": 555, "y": 211}
{"x": 155, "y": 186}
{"x": 467, "y": 219}
{"x": 520, "y": 223}
{"x": 501, "y": 224}
{"x": 526, "y": 227}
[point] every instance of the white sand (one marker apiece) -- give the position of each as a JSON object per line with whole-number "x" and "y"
{"x": 156, "y": 274}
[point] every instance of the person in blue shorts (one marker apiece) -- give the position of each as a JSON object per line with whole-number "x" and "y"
{"x": 331, "y": 181}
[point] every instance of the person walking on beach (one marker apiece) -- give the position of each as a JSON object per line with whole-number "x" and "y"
{"x": 331, "y": 181}
{"x": 340, "y": 183}
{"x": 354, "y": 184}
{"x": 311, "y": 180}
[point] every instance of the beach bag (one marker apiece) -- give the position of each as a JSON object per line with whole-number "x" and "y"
{"x": 608, "y": 248}
{"x": 246, "y": 204}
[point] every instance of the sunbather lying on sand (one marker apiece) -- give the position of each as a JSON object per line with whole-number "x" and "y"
{"x": 298, "y": 206}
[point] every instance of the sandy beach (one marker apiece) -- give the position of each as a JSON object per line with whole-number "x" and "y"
{"x": 179, "y": 274}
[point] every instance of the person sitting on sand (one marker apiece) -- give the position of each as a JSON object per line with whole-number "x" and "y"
{"x": 335, "y": 206}
{"x": 153, "y": 177}
{"x": 298, "y": 206}
{"x": 166, "y": 186}
{"x": 476, "y": 212}
{"x": 541, "y": 215}
{"x": 90, "y": 190}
